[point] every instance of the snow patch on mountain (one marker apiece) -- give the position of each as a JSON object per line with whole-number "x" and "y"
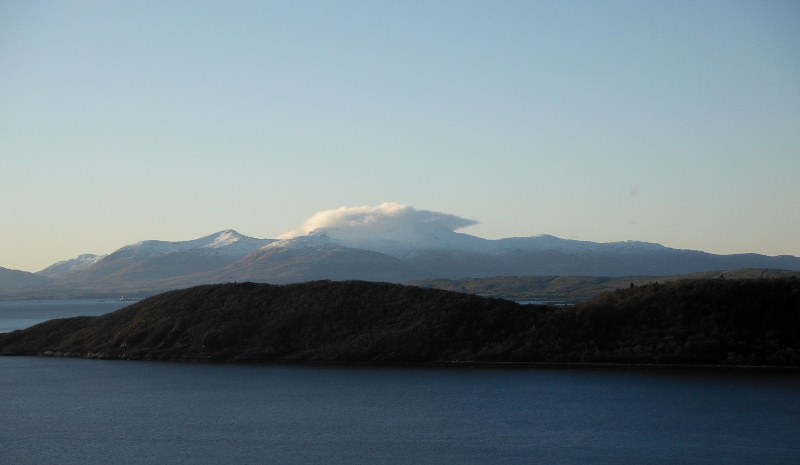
{"x": 225, "y": 238}
{"x": 81, "y": 262}
{"x": 228, "y": 242}
{"x": 314, "y": 239}
{"x": 546, "y": 242}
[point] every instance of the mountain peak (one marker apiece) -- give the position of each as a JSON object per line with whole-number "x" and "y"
{"x": 81, "y": 262}
{"x": 225, "y": 238}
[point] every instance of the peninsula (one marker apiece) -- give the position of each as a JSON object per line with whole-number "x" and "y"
{"x": 690, "y": 322}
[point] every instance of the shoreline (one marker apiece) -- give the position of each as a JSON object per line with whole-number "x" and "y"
{"x": 577, "y": 366}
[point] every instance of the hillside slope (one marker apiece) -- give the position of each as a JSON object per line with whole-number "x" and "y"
{"x": 577, "y": 288}
{"x": 16, "y": 279}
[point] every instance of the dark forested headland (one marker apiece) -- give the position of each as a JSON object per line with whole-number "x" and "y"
{"x": 689, "y": 322}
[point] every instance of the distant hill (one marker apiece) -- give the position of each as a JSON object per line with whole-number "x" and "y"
{"x": 16, "y": 279}
{"x": 577, "y": 288}
{"x": 706, "y": 321}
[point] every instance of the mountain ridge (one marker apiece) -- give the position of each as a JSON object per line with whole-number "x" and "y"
{"x": 152, "y": 266}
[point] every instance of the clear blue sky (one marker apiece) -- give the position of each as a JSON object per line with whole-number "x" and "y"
{"x": 671, "y": 122}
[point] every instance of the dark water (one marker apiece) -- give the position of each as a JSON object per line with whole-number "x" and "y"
{"x": 62, "y": 411}
{"x": 21, "y": 314}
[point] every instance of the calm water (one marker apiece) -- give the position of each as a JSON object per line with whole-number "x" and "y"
{"x": 21, "y": 314}
{"x": 64, "y": 411}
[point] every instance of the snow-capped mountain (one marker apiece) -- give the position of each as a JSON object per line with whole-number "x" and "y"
{"x": 228, "y": 243}
{"x": 404, "y": 232}
{"x": 544, "y": 242}
{"x": 146, "y": 262}
{"x": 62, "y": 268}
{"x": 398, "y": 243}
{"x": 390, "y": 242}
{"x": 425, "y": 254}
{"x": 152, "y": 266}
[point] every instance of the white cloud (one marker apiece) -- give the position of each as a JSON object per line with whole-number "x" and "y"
{"x": 387, "y": 218}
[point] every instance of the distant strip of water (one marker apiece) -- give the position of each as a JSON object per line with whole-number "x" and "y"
{"x": 22, "y": 314}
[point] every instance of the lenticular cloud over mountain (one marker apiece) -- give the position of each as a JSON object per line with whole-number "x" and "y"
{"x": 392, "y": 228}
{"x": 388, "y": 217}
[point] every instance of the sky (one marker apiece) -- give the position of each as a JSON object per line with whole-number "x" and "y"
{"x": 672, "y": 122}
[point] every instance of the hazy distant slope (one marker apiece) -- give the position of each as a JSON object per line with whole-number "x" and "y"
{"x": 712, "y": 321}
{"x": 277, "y": 264}
{"x": 15, "y": 279}
{"x": 66, "y": 267}
{"x": 577, "y": 288}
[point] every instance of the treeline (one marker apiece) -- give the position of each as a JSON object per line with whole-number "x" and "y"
{"x": 710, "y": 321}
{"x": 713, "y": 321}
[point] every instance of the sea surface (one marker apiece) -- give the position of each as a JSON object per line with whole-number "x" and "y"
{"x": 76, "y": 411}
{"x": 24, "y": 313}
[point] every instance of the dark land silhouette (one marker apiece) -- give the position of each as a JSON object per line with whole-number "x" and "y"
{"x": 688, "y": 322}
